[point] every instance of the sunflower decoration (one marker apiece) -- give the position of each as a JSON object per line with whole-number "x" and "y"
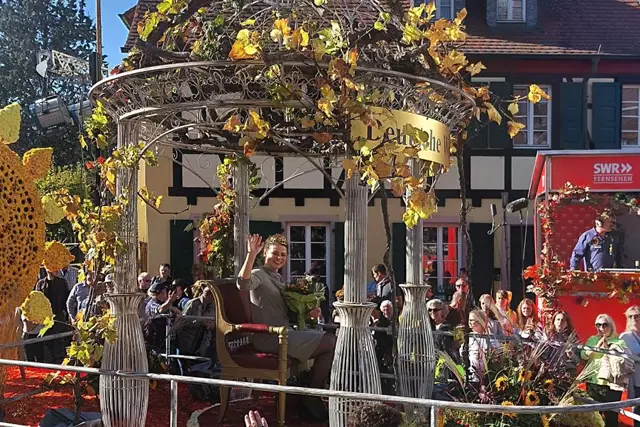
{"x": 10, "y": 123}
{"x": 524, "y": 376}
{"x": 37, "y": 309}
{"x": 56, "y": 256}
{"x": 549, "y": 384}
{"x": 38, "y": 162}
{"x": 22, "y": 229}
{"x": 508, "y": 414}
{"x": 502, "y": 383}
{"x": 531, "y": 399}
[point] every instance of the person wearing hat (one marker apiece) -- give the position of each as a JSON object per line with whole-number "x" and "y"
{"x": 179, "y": 286}
{"x": 161, "y": 302}
{"x": 597, "y": 248}
{"x": 109, "y": 284}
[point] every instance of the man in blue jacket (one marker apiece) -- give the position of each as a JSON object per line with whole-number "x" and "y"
{"x": 597, "y": 247}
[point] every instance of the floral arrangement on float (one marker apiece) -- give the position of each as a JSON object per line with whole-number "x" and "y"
{"x": 303, "y": 295}
{"x": 551, "y": 275}
{"x": 526, "y": 376}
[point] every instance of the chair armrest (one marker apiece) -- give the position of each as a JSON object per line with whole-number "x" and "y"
{"x": 258, "y": 328}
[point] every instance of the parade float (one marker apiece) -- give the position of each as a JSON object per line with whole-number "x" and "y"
{"x": 571, "y": 188}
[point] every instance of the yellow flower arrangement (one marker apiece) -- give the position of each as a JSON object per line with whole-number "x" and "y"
{"x": 502, "y": 383}
{"x": 508, "y": 414}
{"x": 37, "y": 309}
{"x": 10, "y": 123}
{"x": 524, "y": 376}
{"x": 38, "y": 162}
{"x": 21, "y": 211}
{"x": 53, "y": 213}
{"x": 531, "y": 399}
{"x": 548, "y": 384}
{"x": 56, "y": 256}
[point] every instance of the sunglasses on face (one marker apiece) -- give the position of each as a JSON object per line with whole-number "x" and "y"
{"x": 633, "y": 316}
{"x": 602, "y": 325}
{"x": 433, "y": 310}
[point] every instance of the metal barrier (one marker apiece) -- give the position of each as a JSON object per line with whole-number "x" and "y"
{"x": 434, "y": 405}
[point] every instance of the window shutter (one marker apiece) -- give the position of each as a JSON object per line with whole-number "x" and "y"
{"x": 482, "y": 269}
{"x": 181, "y": 250}
{"x": 338, "y": 245}
{"x": 572, "y": 113}
{"x": 606, "y": 116}
{"x": 498, "y": 136}
{"x": 399, "y": 250}
{"x": 265, "y": 228}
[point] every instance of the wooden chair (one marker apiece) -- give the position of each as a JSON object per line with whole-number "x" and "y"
{"x": 233, "y": 321}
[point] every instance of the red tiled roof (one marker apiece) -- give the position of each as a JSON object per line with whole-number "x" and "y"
{"x": 565, "y": 27}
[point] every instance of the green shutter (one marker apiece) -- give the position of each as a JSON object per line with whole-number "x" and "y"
{"x": 606, "y": 115}
{"x": 482, "y": 268}
{"x": 399, "y": 251}
{"x": 338, "y": 245}
{"x": 265, "y": 228}
{"x": 181, "y": 250}
{"x": 498, "y": 136}
{"x": 572, "y": 113}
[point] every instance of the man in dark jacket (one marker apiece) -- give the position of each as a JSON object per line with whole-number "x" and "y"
{"x": 57, "y": 292}
{"x": 384, "y": 287}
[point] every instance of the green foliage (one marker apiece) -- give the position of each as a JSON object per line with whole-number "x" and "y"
{"x": 26, "y": 27}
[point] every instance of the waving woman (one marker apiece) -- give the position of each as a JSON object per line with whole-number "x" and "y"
{"x": 268, "y": 307}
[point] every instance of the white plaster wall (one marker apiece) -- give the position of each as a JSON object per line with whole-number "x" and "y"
{"x": 521, "y": 171}
{"x": 487, "y": 173}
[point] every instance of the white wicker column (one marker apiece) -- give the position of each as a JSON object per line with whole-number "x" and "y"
{"x": 241, "y": 217}
{"x": 123, "y": 401}
{"x": 354, "y": 367}
{"x": 416, "y": 352}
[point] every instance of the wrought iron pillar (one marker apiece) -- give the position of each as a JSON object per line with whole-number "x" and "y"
{"x": 124, "y": 401}
{"x": 354, "y": 366}
{"x": 416, "y": 352}
{"x": 241, "y": 218}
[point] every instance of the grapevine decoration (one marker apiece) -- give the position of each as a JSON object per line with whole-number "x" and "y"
{"x": 335, "y": 55}
{"x": 551, "y": 275}
{"x": 216, "y": 228}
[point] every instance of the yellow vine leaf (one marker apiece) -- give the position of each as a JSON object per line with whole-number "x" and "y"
{"x": 257, "y": 124}
{"x": 513, "y": 108}
{"x": 349, "y": 166}
{"x": 298, "y": 38}
{"x": 454, "y": 61}
{"x": 460, "y": 16}
{"x": 476, "y": 68}
{"x": 513, "y": 128}
{"x": 536, "y": 94}
{"x": 319, "y": 49}
{"x": 280, "y": 30}
{"x": 245, "y": 46}
{"x": 232, "y": 124}
{"x": 494, "y": 115}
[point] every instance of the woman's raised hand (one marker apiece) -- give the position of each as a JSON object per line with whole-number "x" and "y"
{"x": 254, "y": 244}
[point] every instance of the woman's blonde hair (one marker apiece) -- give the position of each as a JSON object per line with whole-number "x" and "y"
{"x": 276, "y": 239}
{"x": 609, "y": 320}
{"x": 628, "y": 311}
{"x": 480, "y": 317}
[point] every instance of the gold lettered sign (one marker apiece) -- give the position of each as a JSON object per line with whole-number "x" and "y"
{"x": 432, "y": 138}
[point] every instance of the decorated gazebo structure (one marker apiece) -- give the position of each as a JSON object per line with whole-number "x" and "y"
{"x": 325, "y": 85}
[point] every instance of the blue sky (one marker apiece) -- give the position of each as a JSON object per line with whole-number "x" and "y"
{"x": 114, "y": 33}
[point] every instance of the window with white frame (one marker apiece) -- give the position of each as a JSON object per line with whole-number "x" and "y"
{"x": 535, "y": 117}
{"x": 309, "y": 249}
{"x": 444, "y": 8}
{"x": 630, "y": 116}
{"x": 443, "y": 249}
{"x": 511, "y": 10}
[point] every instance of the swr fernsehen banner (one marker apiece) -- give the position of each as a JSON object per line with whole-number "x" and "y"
{"x": 434, "y": 143}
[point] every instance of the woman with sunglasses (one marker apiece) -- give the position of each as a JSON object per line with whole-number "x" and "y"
{"x": 631, "y": 337}
{"x": 603, "y": 385}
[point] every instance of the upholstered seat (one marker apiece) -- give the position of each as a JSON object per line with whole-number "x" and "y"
{"x": 233, "y": 322}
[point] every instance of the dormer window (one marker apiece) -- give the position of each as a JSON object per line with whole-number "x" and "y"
{"x": 511, "y": 10}
{"x": 444, "y": 8}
